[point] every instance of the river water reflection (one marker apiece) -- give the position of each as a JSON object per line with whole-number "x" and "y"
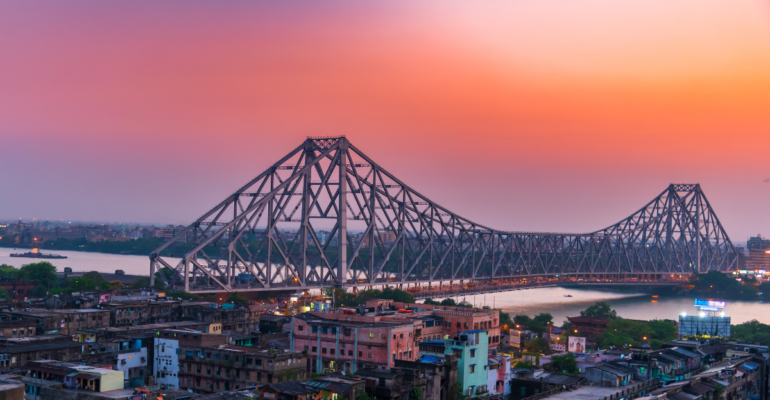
{"x": 628, "y": 305}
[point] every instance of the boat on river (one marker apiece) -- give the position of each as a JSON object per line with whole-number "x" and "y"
{"x": 35, "y": 253}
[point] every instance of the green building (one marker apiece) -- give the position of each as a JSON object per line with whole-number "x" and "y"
{"x": 471, "y": 349}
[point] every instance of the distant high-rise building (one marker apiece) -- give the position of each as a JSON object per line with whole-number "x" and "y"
{"x": 759, "y": 253}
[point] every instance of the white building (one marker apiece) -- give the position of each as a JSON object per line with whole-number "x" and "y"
{"x": 167, "y": 362}
{"x": 498, "y": 374}
{"x": 134, "y": 359}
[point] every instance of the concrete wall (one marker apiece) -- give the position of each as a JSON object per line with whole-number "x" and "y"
{"x": 132, "y": 360}
{"x": 166, "y": 362}
{"x": 12, "y": 392}
{"x": 111, "y": 381}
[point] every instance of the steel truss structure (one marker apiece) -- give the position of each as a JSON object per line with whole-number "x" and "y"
{"x": 284, "y": 229}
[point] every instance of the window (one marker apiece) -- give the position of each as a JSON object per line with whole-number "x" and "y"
{"x": 466, "y": 325}
{"x": 331, "y": 351}
{"x": 410, "y": 334}
{"x": 401, "y": 336}
{"x": 258, "y": 361}
{"x": 475, "y": 325}
{"x": 315, "y": 349}
{"x": 334, "y": 331}
{"x": 360, "y": 353}
{"x": 459, "y": 325}
{"x": 314, "y": 329}
{"x": 473, "y": 353}
{"x": 325, "y": 330}
{"x": 323, "y": 350}
{"x": 371, "y": 334}
{"x": 300, "y": 328}
{"x": 350, "y": 353}
{"x": 473, "y": 368}
{"x": 208, "y": 354}
{"x": 384, "y": 336}
{"x": 306, "y": 349}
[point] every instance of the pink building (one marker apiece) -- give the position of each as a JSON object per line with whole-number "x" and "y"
{"x": 345, "y": 343}
{"x": 455, "y": 319}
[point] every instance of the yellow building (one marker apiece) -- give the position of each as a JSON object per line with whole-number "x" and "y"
{"x": 104, "y": 379}
{"x": 215, "y": 328}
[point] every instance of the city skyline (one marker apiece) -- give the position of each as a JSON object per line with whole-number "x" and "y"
{"x": 521, "y": 117}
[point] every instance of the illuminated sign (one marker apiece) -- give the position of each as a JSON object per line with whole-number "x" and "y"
{"x": 710, "y": 303}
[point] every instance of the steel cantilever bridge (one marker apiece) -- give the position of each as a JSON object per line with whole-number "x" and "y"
{"x": 284, "y": 230}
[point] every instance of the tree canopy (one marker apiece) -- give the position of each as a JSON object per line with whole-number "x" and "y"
{"x": 566, "y": 364}
{"x": 538, "y": 346}
{"x": 600, "y": 310}
{"x": 236, "y": 299}
{"x": 625, "y": 332}
{"x": 720, "y": 285}
{"x": 751, "y": 331}
{"x": 344, "y": 298}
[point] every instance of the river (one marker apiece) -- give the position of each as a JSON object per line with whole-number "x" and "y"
{"x": 641, "y": 306}
{"x": 531, "y": 302}
{"x": 84, "y": 261}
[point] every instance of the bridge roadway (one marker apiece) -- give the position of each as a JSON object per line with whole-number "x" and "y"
{"x": 457, "y": 290}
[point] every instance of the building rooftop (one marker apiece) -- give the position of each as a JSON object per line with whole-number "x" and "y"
{"x": 40, "y": 313}
{"x": 36, "y": 347}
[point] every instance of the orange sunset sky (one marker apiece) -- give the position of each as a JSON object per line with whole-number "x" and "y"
{"x": 522, "y": 115}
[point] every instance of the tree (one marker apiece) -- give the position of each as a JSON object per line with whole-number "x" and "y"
{"x": 142, "y": 282}
{"x": 397, "y": 295}
{"x": 78, "y": 284}
{"x": 342, "y": 297}
{"x": 415, "y": 393}
{"x": 181, "y": 294}
{"x": 464, "y": 304}
{"x": 43, "y": 273}
{"x": 505, "y": 320}
{"x": 448, "y": 302}
{"x": 361, "y": 394}
{"x": 566, "y": 364}
{"x": 9, "y": 271}
{"x": 662, "y": 330}
{"x": 431, "y": 302}
{"x": 764, "y": 291}
{"x": 524, "y": 364}
{"x": 600, "y": 310}
{"x": 39, "y": 291}
{"x": 522, "y": 321}
{"x": 235, "y": 299}
{"x": 751, "y": 331}
{"x": 537, "y": 346}
{"x": 718, "y": 284}
{"x": 94, "y": 276}
{"x": 4, "y": 295}
{"x": 458, "y": 392}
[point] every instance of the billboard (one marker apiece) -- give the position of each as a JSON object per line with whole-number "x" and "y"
{"x": 710, "y": 303}
{"x": 693, "y": 325}
{"x": 515, "y": 338}
{"x": 576, "y": 344}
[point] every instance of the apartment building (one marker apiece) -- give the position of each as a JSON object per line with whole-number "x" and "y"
{"x": 205, "y": 363}
{"x": 65, "y": 322}
{"x": 128, "y": 313}
{"x": 345, "y": 343}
